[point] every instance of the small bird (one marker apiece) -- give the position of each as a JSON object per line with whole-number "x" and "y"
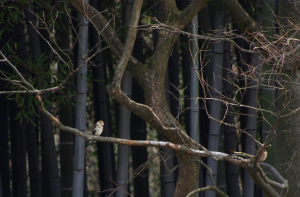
{"x": 98, "y": 128}
{"x": 262, "y": 156}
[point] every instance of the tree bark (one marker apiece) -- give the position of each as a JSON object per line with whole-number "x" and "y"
{"x": 152, "y": 79}
{"x": 288, "y": 137}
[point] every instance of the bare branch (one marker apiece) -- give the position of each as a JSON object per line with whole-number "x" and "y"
{"x": 131, "y": 36}
{"x": 161, "y": 144}
{"x": 241, "y": 17}
{"x": 210, "y": 187}
{"x": 215, "y": 38}
{"x": 190, "y": 11}
{"x": 102, "y": 25}
{"x": 282, "y": 184}
{"x": 17, "y": 71}
{"x": 32, "y": 91}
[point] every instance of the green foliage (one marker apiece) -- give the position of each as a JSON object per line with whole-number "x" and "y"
{"x": 11, "y": 15}
{"x": 27, "y": 104}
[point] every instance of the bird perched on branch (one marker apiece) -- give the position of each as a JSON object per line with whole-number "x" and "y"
{"x": 262, "y": 156}
{"x": 98, "y": 128}
{"x": 262, "y": 153}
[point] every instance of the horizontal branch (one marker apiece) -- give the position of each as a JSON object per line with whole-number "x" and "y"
{"x": 32, "y": 91}
{"x": 234, "y": 158}
{"x": 160, "y": 144}
{"x": 217, "y": 155}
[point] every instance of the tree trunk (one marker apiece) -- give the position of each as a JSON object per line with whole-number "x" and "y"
{"x": 287, "y": 141}
{"x": 152, "y": 79}
{"x": 173, "y": 70}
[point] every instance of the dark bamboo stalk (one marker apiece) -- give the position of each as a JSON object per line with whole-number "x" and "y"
{"x": 215, "y": 105}
{"x": 231, "y": 170}
{"x": 65, "y": 110}
{"x": 4, "y": 143}
{"x": 105, "y": 152}
{"x": 49, "y": 155}
{"x": 138, "y": 130}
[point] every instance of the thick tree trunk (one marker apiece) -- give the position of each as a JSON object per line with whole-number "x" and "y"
{"x": 155, "y": 98}
{"x": 152, "y": 79}
{"x": 287, "y": 141}
{"x": 174, "y": 103}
